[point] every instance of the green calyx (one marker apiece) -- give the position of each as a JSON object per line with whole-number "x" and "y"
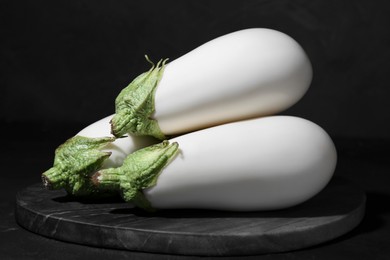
{"x": 134, "y": 105}
{"x": 74, "y": 161}
{"x": 139, "y": 171}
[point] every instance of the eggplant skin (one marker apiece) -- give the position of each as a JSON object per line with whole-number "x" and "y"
{"x": 260, "y": 164}
{"x": 245, "y": 74}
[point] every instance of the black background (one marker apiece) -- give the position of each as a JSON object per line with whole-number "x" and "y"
{"x": 62, "y": 63}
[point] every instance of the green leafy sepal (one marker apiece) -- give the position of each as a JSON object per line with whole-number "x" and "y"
{"x": 139, "y": 171}
{"x": 134, "y": 105}
{"x": 74, "y": 161}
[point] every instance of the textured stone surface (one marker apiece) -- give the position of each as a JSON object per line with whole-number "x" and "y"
{"x": 113, "y": 224}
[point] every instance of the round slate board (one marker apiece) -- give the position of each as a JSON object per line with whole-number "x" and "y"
{"x": 114, "y": 224}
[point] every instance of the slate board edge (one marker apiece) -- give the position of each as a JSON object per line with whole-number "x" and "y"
{"x": 208, "y": 247}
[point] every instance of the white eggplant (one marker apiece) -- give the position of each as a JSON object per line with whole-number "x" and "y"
{"x": 260, "y": 164}
{"x": 241, "y": 75}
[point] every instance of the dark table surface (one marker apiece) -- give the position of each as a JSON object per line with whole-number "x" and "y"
{"x": 362, "y": 161}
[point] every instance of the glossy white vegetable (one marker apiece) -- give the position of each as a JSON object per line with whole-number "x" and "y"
{"x": 121, "y": 147}
{"x": 244, "y": 74}
{"x": 260, "y": 164}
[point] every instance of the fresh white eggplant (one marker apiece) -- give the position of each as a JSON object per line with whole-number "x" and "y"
{"x": 88, "y": 151}
{"x": 245, "y": 74}
{"x": 259, "y": 164}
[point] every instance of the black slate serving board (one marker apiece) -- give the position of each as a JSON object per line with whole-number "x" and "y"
{"x": 114, "y": 224}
